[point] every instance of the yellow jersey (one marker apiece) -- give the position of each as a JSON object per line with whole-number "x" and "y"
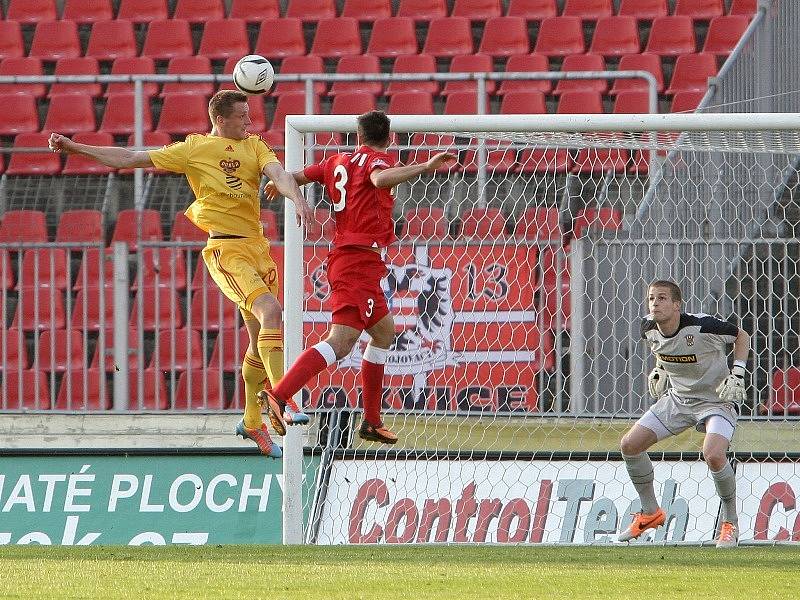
{"x": 224, "y": 175}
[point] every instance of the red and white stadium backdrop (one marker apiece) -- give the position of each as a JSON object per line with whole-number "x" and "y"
{"x": 467, "y": 332}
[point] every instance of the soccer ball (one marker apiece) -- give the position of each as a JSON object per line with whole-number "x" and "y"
{"x": 253, "y": 74}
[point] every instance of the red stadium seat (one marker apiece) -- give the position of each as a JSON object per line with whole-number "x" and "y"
{"x": 11, "y": 45}
{"x": 200, "y": 389}
{"x": 22, "y": 66}
{"x": 415, "y": 63}
{"x": 31, "y": 11}
{"x": 644, "y": 10}
{"x": 691, "y": 72}
{"x": 83, "y": 65}
{"x": 269, "y": 221}
{"x": 229, "y": 349}
{"x": 477, "y": 10}
{"x": 87, "y": 313}
{"x": 639, "y": 62}
{"x": 6, "y": 279}
{"x": 411, "y": 103}
{"x": 422, "y": 10}
{"x": 600, "y": 160}
{"x": 526, "y": 63}
{"x": 632, "y": 102}
{"x": 183, "y": 230}
{"x": 163, "y": 267}
{"x": 604, "y": 217}
{"x": 470, "y": 63}
{"x": 108, "y": 350}
{"x": 784, "y": 395}
{"x": 111, "y": 40}
{"x": 523, "y": 102}
{"x": 699, "y": 9}
{"x": 80, "y": 226}
{"x": 538, "y": 223}
{"x": 500, "y": 158}
{"x": 118, "y": 117}
{"x": 724, "y": 33}
{"x": 177, "y": 350}
{"x": 14, "y": 355}
{"x": 38, "y": 163}
{"x": 44, "y": 267}
{"x": 211, "y": 311}
{"x": 39, "y": 309}
{"x": 560, "y": 36}
{"x": 393, "y": 36}
{"x": 311, "y": 10}
{"x": 61, "y": 350}
{"x": 199, "y": 11}
{"x": 542, "y": 160}
{"x": 89, "y": 273}
{"x": 280, "y": 37}
{"x": 616, "y": 36}
{"x": 254, "y": 11}
{"x": 182, "y": 114}
{"x": 161, "y": 309}
{"x": 686, "y": 101}
{"x": 168, "y": 39}
{"x": 300, "y": 65}
{"x": 590, "y": 10}
{"x": 30, "y": 392}
{"x": 367, "y": 10}
{"x": 23, "y": 226}
{"x": 189, "y": 65}
{"x": 70, "y": 113}
{"x": 337, "y": 37}
{"x": 582, "y": 62}
{"x": 532, "y": 10}
{"x": 353, "y": 103}
{"x": 425, "y": 223}
{"x": 505, "y": 36}
{"x": 154, "y": 391}
{"x": 71, "y": 393}
{"x": 463, "y": 103}
{"x": 483, "y": 224}
{"x": 425, "y": 145}
{"x": 742, "y": 7}
{"x": 363, "y": 63}
{"x": 290, "y": 104}
{"x": 671, "y": 36}
{"x": 580, "y": 102}
{"x": 127, "y": 225}
{"x": 87, "y": 11}
{"x": 143, "y": 11}
{"x": 449, "y": 36}
{"x": 137, "y": 65}
{"x": 224, "y": 38}
{"x": 55, "y": 39}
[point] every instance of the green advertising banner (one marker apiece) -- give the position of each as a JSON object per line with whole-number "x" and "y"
{"x": 164, "y": 498}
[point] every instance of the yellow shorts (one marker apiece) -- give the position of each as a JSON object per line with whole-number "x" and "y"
{"x": 243, "y": 269}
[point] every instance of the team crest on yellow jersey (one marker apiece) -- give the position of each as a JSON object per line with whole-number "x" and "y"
{"x": 230, "y": 167}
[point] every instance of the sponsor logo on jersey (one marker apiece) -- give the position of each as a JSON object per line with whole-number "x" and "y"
{"x": 228, "y": 148}
{"x": 678, "y": 358}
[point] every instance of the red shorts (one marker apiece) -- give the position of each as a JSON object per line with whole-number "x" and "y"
{"x": 357, "y": 299}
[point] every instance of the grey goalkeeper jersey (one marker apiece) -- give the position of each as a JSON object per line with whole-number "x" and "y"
{"x": 695, "y": 357}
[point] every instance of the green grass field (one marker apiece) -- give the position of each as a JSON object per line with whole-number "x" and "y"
{"x": 463, "y": 572}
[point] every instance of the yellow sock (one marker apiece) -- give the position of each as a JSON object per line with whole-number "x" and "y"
{"x": 254, "y": 376}
{"x": 270, "y": 349}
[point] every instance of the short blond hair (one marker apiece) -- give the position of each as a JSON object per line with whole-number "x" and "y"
{"x": 674, "y": 289}
{"x": 221, "y": 103}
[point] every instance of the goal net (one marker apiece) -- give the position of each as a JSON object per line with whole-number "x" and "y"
{"x": 517, "y": 289}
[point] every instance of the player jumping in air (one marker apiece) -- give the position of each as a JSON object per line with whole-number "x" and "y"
{"x": 359, "y": 185}
{"x": 224, "y": 169}
{"x": 692, "y": 388}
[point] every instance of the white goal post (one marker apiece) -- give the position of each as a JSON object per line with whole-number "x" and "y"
{"x": 705, "y": 188}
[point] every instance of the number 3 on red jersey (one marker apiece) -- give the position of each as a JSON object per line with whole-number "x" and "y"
{"x": 341, "y": 178}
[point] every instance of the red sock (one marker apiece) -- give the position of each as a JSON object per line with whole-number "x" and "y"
{"x": 372, "y": 368}
{"x": 309, "y": 364}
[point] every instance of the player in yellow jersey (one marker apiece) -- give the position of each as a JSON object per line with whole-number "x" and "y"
{"x": 224, "y": 169}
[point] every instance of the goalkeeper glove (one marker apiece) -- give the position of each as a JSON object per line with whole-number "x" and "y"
{"x": 732, "y": 387}
{"x": 657, "y": 383}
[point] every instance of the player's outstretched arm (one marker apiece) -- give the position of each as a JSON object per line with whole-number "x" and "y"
{"x": 111, "y": 156}
{"x": 286, "y": 185}
{"x": 387, "y": 178}
{"x": 271, "y": 190}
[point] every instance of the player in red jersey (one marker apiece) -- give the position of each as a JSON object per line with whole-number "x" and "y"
{"x": 359, "y": 185}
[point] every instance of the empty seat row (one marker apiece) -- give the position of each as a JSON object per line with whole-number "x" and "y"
{"x": 447, "y": 37}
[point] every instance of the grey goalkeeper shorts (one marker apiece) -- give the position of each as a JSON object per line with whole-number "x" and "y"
{"x": 673, "y": 414}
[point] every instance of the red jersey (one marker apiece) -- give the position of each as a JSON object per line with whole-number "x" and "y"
{"x": 362, "y": 211}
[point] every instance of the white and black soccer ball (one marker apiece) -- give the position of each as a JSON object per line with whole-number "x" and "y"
{"x": 253, "y": 74}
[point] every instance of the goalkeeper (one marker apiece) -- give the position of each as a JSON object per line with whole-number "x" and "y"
{"x": 692, "y": 388}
